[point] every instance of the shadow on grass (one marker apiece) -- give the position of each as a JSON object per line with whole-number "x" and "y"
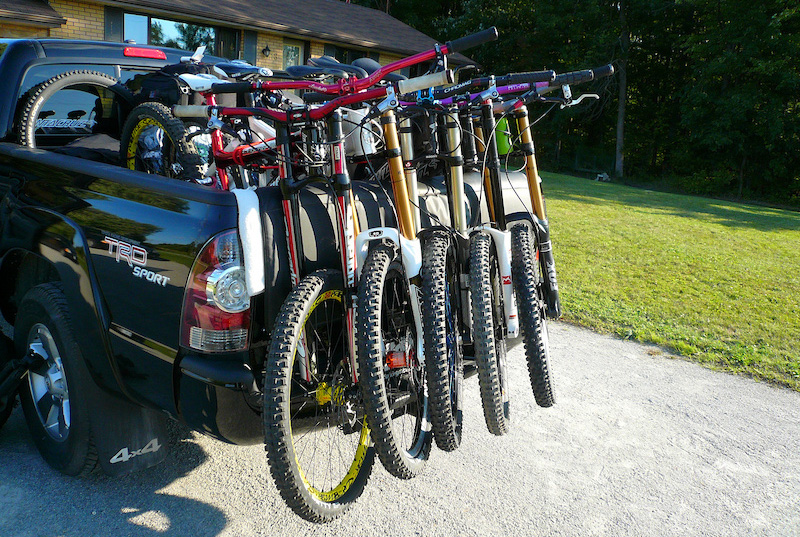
{"x": 560, "y": 187}
{"x": 37, "y": 500}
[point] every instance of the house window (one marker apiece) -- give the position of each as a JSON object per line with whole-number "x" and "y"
{"x": 347, "y": 55}
{"x": 134, "y": 28}
{"x": 293, "y": 53}
{"x": 144, "y": 29}
{"x": 173, "y": 34}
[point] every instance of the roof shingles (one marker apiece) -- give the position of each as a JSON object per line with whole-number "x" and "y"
{"x": 330, "y": 20}
{"x": 30, "y": 11}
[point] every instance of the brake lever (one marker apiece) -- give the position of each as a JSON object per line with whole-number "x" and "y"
{"x": 581, "y": 98}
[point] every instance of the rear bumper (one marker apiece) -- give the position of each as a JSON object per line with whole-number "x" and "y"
{"x": 217, "y": 397}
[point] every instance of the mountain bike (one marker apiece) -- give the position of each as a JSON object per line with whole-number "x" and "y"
{"x": 324, "y": 387}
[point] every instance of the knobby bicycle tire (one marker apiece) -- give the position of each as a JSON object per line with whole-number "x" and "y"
{"x": 384, "y": 320}
{"x": 42, "y": 92}
{"x": 443, "y": 353}
{"x": 177, "y": 158}
{"x": 490, "y": 345}
{"x": 531, "y": 315}
{"x": 301, "y": 415}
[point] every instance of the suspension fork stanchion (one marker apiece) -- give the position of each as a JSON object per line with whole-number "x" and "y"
{"x": 493, "y": 164}
{"x": 456, "y": 176}
{"x": 347, "y": 228}
{"x": 468, "y": 148}
{"x": 405, "y": 218}
{"x": 405, "y": 130}
{"x": 542, "y": 227}
{"x": 291, "y": 217}
{"x": 531, "y": 170}
{"x": 217, "y": 143}
{"x": 487, "y": 183}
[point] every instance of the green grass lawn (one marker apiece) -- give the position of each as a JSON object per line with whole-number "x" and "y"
{"x": 714, "y": 281}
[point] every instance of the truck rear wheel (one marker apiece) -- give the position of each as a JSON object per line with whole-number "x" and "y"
{"x": 54, "y": 397}
{"x": 4, "y": 415}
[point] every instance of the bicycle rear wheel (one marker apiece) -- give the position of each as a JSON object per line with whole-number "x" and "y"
{"x": 488, "y": 333}
{"x": 530, "y": 302}
{"x": 111, "y": 101}
{"x": 318, "y": 445}
{"x": 392, "y": 377}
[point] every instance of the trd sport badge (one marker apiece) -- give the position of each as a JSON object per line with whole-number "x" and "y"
{"x": 136, "y": 257}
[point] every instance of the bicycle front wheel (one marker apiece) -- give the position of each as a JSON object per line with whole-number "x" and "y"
{"x": 154, "y": 141}
{"x": 488, "y": 333}
{"x": 318, "y": 445}
{"x": 443, "y": 352}
{"x": 530, "y": 302}
{"x": 392, "y": 376}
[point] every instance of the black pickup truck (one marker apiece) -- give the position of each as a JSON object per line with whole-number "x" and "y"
{"x": 109, "y": 276}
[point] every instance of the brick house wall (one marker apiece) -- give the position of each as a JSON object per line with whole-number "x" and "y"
{"x": 19, "y": 31}
{"x": 84, "y": 20}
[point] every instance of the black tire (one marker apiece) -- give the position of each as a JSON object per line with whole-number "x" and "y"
{"x": 531, "y": 306}
{"x": 171, "y": 155}
{"x": 5, "y": 414}
{"x": 488, "y": 333}
{"x": 332, "y": 433}
{"x": 444, "y": 359}
{"x": 44, "y": 91}
{"x": 55, "y": 397}
{"x": 396, "y": 403}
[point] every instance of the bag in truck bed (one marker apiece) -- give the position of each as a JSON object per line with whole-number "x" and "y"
{"x": 165, "y": 87}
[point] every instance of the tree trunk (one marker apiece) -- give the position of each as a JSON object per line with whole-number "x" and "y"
{"x": 622, "y": 68}
{"x": 741, "y": 177}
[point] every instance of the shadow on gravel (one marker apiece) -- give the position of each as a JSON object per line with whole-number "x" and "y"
{"x": 36, "y": 500}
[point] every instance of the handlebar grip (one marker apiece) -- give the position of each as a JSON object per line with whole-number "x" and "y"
{"x": 424, "y": 82}
{"x": 192, "y": 110}
{"x": 469, "y": 41}
{"x": 314, "y": 97}
{"x": 232, "y": 87}
{"x": 532, "y": 77}
{"x": 606, "y": 70}
{"x": 575, "y": 77}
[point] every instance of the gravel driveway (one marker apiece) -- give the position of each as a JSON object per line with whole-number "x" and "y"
{"x": 638, "y": 444}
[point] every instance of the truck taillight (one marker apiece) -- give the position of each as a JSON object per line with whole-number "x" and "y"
{"x": 216, "y": 311}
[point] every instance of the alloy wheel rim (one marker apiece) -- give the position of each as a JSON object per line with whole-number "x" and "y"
{"x": 48, "y": 385}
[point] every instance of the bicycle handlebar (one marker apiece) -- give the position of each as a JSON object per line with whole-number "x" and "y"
{"x": 604, "y": 71}
{"x": 232, "y": 87}
{"x": 527, "y": 78}
{"x": 587, "y": 75}
{"x": 482, "y": 83}
{"x": 313, "y": 97}
{"x": 191, "y": 110}
{"x": 426, "y": 81}
{"x": 469, "y": 41}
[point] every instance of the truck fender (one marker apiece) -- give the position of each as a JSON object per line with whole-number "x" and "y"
{"x": 128, "y": 437}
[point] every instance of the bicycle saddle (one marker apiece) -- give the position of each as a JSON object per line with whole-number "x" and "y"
{"x": 311, "y": 71}
{"x": 370, "y": 66}
{"x": 242, "y": 70}
{"x": 327, "y": 61}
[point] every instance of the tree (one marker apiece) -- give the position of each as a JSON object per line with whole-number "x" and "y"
{"x": 193, "y": 36}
